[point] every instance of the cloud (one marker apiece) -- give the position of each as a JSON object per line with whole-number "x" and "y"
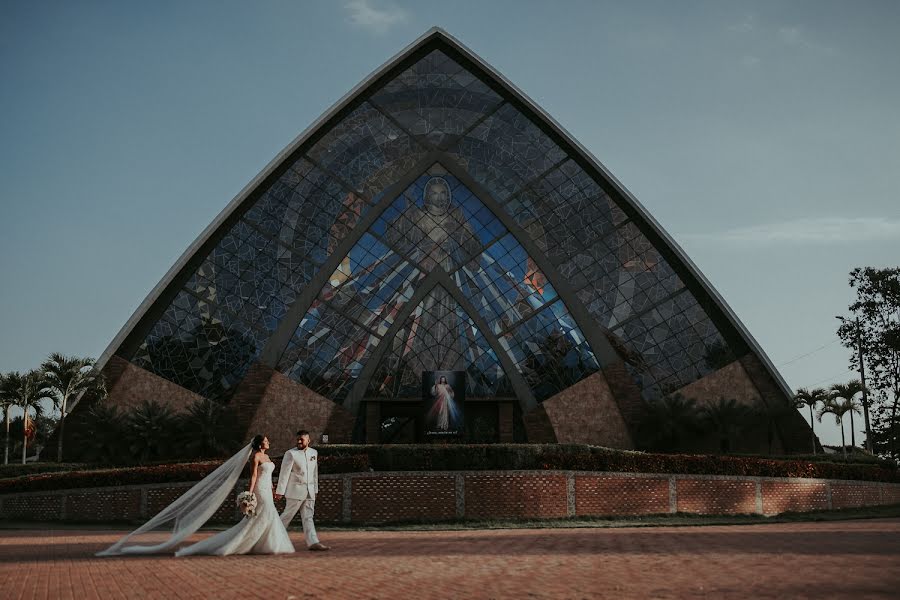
{"x": 750, "y": 61}
{"x": 363, "y": 14}
{"x": 760, "y": 39}
{"x": 745, "y": 26}
{"x": 818, "y": 230}
{"x": 798, "y": 38}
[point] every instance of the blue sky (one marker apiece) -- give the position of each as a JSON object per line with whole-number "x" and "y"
{"x": 764, "y": 136}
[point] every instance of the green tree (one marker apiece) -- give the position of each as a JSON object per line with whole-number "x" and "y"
{"x": 666, "y": 424}
{"x": 771, "y": 414}
{"x": 6, "y": 403}
{"x": 151, "y": 429}
{"x": 812, "y": 399}
{"x": 727, "y": 419}
{"x": 69, "y": 377}
{"x": 838, "y": 408}
{"x": 27, "y": 391}
{"x": 846, "y": 392}
{"x": 99, "y": 435}
{"x": 877, "y": 308}
{"x": 208, "y": 430}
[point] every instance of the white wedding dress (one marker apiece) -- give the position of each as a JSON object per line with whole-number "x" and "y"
{"x": 262, "y": 533}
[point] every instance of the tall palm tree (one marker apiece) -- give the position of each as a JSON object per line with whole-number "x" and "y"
{"x": 6, "y": 403}
{"x": 207, "y": 430}
{"x": 666, "y": 423}
{"x": 69, "y": 377}
{"x": 27, "y": 391}
{"x": 771, "y": 413}
{"x": 727, "y": 419}
{"x": 847, "y": 392}
{"x": 812, "y": 399}
{"x": 151, "y": 428}
{"x": 838, "y": 408}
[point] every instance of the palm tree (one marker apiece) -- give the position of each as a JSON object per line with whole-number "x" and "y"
{"x": 208, "y": 429}
{"x": 811, "y": 398}
{"x": 727, "y": 419}
{"x": 151, "y": 429}
{"x": 99, "y": 435}
{"x": 69, "y": 377}
{"x": 666, "y": 423}
{"x": 847, "y": 392}
{"x": 838, "y": 408}
{"x": 27, "y": 391}
{"x": 6, "y": 403}
{"x": 770, "y": 414}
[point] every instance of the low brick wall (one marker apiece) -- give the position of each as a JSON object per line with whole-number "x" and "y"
{"x": 440, "y": 496}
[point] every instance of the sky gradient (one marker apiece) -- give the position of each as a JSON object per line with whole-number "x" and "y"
{"x": 764, "y": 137}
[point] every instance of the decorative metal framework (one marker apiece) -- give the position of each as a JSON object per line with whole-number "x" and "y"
{"x": 434, "y": 219}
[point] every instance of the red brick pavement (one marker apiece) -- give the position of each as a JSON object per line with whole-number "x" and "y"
{"x": 858, "y": 559}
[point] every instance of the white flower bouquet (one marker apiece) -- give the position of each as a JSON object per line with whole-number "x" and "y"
{"x": 246, "y": 503}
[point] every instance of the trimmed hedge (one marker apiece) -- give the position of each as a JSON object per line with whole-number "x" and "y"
{"x": 479, "y": 457}
{"x": 17, "y": 470}
{"x": 577, "y": 457}
{"x": 172, "y": 473}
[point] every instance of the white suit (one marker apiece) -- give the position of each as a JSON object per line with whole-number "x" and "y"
{"x": 298, "y": 481}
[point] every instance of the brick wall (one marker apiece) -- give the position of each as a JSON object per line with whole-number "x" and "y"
{"x": 133, "y": 385}
{"x": 274, "y": 405}
{"x": 730, "y": 382}
{"x": 715, "y": 496}
{"x": 538, "y": 427}
{"x": 793, "y": 496}
{"x": 890, "y": 494}
{"x": 403, "y": 498}
{"x": 849, "y": 495}
{"x": 103, "y": 505}
{"x": 618, "y": 495}
{"x": 36, "y": 507}
{"x": 400, "y": 496}
{"x": 599, "y": 420}
{"x": 502, "y": 495}
{"x": 329, "y": 502}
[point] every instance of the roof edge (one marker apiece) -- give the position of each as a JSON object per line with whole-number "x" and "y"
{"x": 238, "y": 200}
{"x": 431, "y": 34}
{"x": 650, "y": 220}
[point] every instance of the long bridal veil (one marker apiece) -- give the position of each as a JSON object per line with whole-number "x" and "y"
{"x": 188, "y": 513}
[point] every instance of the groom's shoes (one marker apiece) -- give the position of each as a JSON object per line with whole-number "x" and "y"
{"x": 319, "y": 546}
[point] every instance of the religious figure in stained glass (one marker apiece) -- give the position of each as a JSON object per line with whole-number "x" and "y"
{"x": 437, "y": 233}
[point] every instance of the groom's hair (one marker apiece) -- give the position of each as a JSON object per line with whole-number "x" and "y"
{"x": 302, "y": 432}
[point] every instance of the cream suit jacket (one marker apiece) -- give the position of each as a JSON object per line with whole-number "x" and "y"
{"x": 299, "y": 475}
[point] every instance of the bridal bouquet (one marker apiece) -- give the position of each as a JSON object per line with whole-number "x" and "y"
{"x": 246, "y": 502}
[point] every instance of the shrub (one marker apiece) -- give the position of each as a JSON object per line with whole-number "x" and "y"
{"x": 17, "y": 470}
{"x": 168, "y": 473}
{"x": 493, "y": 457}
{"x": 576, "y": 457}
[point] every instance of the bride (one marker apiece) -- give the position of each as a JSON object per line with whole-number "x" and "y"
{"x": 262, "y": 533}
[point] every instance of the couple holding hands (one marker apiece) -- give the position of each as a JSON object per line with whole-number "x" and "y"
{"x": 262, "y": 532}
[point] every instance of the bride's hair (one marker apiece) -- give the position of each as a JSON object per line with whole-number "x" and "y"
{"x": 256, "y": 442}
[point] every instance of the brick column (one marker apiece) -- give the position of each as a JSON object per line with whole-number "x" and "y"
{"x": 505, "y": 422}
{"x": 373, "y": 422}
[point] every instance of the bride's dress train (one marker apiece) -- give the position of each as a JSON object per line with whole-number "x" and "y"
{"x": 261, "y": 534}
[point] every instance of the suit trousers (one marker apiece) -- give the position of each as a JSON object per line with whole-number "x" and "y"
{"x": 307, "y": 509}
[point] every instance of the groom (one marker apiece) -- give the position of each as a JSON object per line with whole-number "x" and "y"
{"x": 299, "y": 481}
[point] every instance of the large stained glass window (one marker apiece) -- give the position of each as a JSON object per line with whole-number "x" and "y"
{"x": 330, "y": 195}
{"x": 436, "y": 223}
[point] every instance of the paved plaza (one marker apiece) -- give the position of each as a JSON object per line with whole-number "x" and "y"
{"x": 845, "y": 559}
